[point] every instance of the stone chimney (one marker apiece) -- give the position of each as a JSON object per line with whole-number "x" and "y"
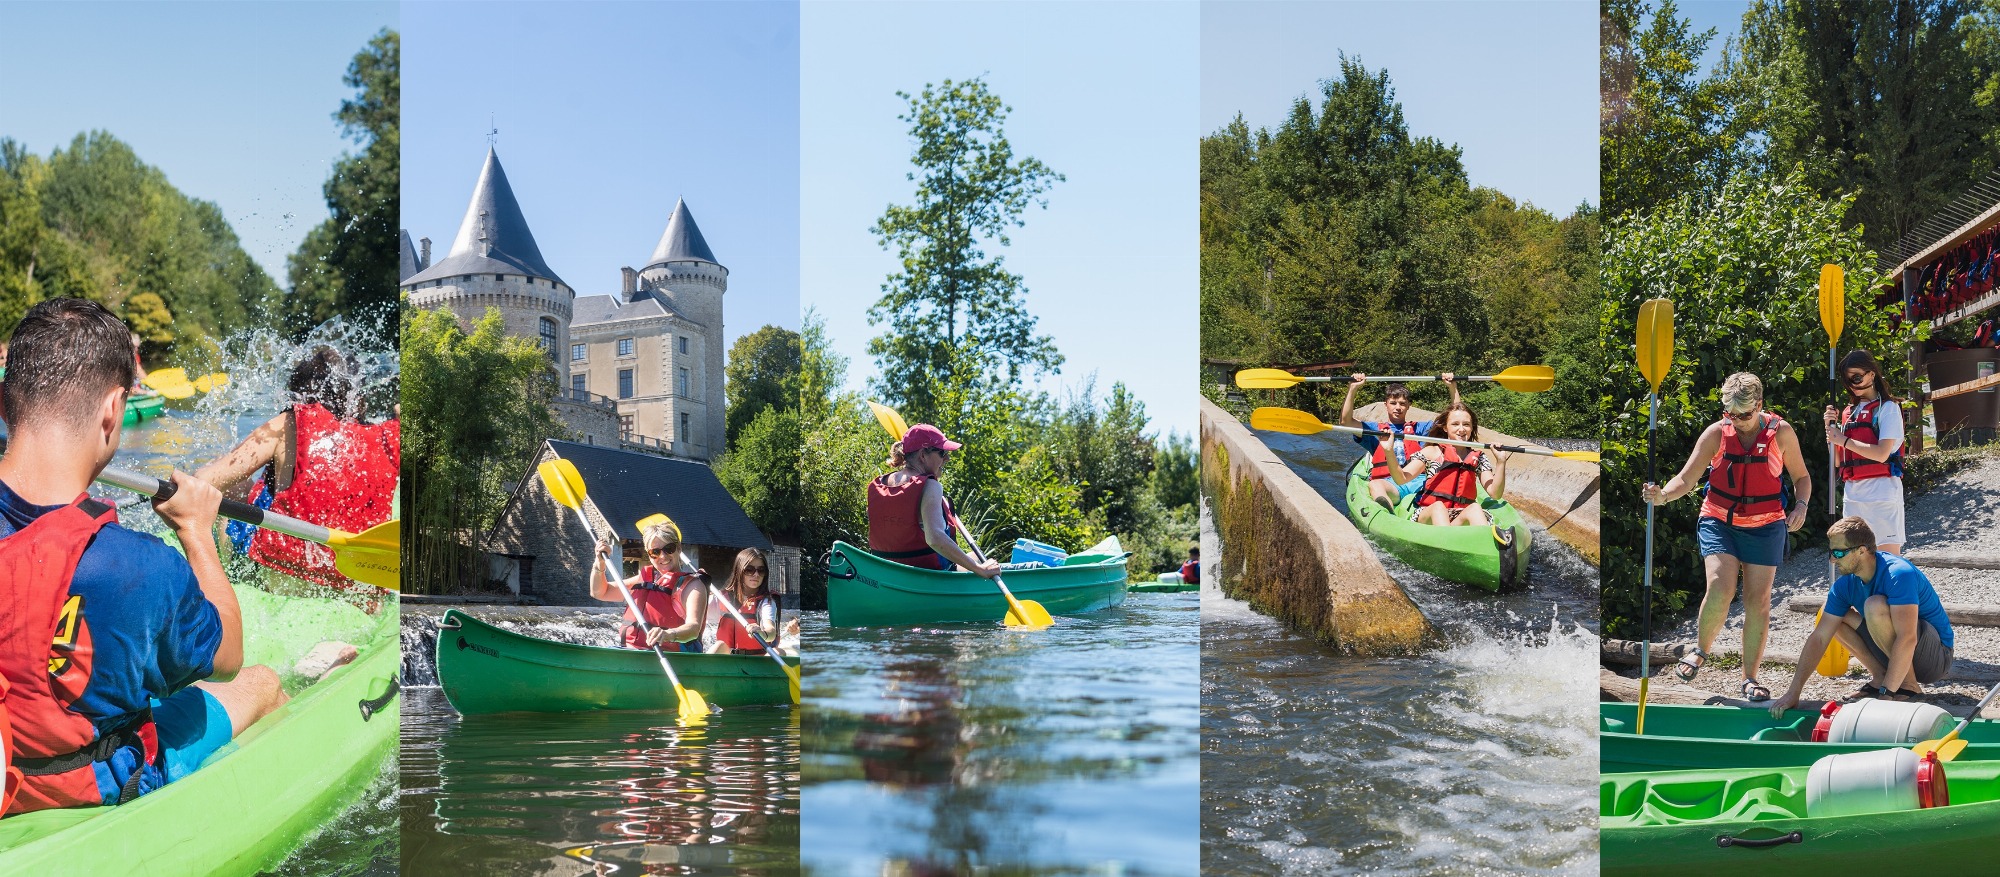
{"x": 631, "y": 282}
{"x": 426, "y": 257}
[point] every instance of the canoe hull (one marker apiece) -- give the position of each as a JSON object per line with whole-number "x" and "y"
{"x": 285, "y": 777}
{"x": 866, "y": 591}
{"x": 1164, "y": 587}
{"x": 484, "y": 669}
{"x": 1681, "y": 737}
{"x": 1650, "y": 824}
{"x": 144, "y": 407}
{"x": 1467, "y": 555}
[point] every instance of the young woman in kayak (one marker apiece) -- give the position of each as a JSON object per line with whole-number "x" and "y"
{"x": 673, "y": 597}
{"x": 1382, "y": 487}
{"x": 1869, "y": 432}
{"x": 317, "y": 461}
{"x": 1448, "y": 492}
{"x": 1749, "y": 456}
{"x": 749, "y": 587}
{"x": 907, "y": 513}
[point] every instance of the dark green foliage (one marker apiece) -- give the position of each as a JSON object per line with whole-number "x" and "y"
{"x": 761, "y": 470}
{"x": 347, "y": 265}
{"x": 1742, "y": 268}
{"x": 763, "y": 372}
{"x": 1663, "y": 123}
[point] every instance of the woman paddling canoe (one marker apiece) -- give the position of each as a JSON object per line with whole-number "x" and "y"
{"x": 673, "y": 598}
{"x": 1451, "y": 476}
{"x": 907, "y": 512}
{"x": 749, "y": 588}
{"x": 1749, "y": 454}
{"x": 1869, "y": 432}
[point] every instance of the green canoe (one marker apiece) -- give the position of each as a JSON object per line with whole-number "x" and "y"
{"x": 141, "y": 407}
{"x": 484, "y": 669}
{"x": 863, "y": 590}
{"x": 1164, "y": 587}
{"x": 251, "y": 803}
{"x": 1676, "y": 822}
{"x": 1467, "y": 555}
{"x": 1686, "y": 737}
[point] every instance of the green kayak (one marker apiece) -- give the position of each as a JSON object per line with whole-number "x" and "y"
{"x": 251, "y": 803}
{"x": 866, "y": 591}
{"x": 141, "y": 407}
{"x": 484, "y": 669}
{"x": 1685, "y": 737}
{"x": 1752, "y": 822}
{"x": 1473, "y": 556}
{"x": 1164, "y": 587}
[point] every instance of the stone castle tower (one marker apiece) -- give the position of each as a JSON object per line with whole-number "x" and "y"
{"x": 683, "y": 274}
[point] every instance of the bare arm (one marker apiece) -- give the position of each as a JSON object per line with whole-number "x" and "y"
{"x": 1795, "y": 468}
{"x": 937, "y": 534}
{"x": 232, "y": 470}
{"x": 1451, "y": 380}
{"x": 1496, "y": 480}
{"x": 191, "y": 514}
{"x": 1809, "y": 654}
{"x": 1347, "y": 405}
{"x": 1903, "y": 619}
{"x": 1684, "y": 480}
{"x": 1402, "y": 474}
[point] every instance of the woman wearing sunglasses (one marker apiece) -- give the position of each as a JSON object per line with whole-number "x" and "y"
{"x": 1749, "y": 455}
{"x": 673, "y": 598}
{"x": 908, "y": 519}
{"x": 749, "y": 587}
{"x": 1869, "y": 433}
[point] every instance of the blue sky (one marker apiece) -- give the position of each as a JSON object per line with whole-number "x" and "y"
{"x": 1105, "y": 93}
{"x": 234, "y": 102}
{"x": 607, "y": 113}
{"x": 1514, "y": 84}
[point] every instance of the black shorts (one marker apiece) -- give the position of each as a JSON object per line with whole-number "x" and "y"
{"x": 1932, "y": 659}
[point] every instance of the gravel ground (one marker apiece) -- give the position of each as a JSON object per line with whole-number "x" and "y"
{"x": 1960, "y": 517}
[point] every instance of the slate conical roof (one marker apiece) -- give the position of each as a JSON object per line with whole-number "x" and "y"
{"x": 494, "y": 236}
{"x": 682, "y": 242}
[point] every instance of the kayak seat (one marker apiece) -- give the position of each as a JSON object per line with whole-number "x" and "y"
{"x": 1796, "y": 732}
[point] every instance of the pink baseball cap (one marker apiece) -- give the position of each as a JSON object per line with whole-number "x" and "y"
{"x": 924, "y": 435}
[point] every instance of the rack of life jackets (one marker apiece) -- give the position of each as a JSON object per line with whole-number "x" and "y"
{"x": 1959, "y": 282}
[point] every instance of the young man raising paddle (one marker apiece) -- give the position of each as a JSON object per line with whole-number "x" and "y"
{"x": 143, "y": 677}
{"x": 1396, "y": 398}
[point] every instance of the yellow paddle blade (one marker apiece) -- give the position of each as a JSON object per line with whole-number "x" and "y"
{"x": 563, "y": 481}
{"x": 1038, "y": 617}
{"x": 1289, "y": 420}
{"x": 1832, "y": 301}
{"x": 890, "y": 420}
{"x": 1266, "y": 379}
{"x": 694, "y": 708}
{"x": 792, "y": 673}
{"x": 206, "y": 383}
{"x": 1950, "y": 750}
{"x": 1527, "y": 378}
{"x": 1949, "y": 743}
{"x": 177, "y": 391}
{"x": 372, "y": 557}
{"x": 1583, "y": 456}
{"x": 1656, "y": 340}
{"x": 1833, "y": 662}
{"x": 161, "y": 379}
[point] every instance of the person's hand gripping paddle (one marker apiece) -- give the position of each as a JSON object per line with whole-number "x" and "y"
{"x": 1833, "y": 317}
{"x": 791, "y": 672}
{"x": 1656, "y": 356}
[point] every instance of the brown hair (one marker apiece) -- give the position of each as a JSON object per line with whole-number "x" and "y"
{"x": 1444, "y": 417}
{"x": 63, "y": 356}
{"x": 323, "y": 379}
{"x": 1854, "y": 531}
{"x": 1396, "y": 390}
{"x": 1864, "y": 360}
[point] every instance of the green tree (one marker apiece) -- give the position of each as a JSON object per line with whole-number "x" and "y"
{"x": 955, "y": 316}
{"x": 1663, "y": 124}
{"x": 347, "y": 264}
{"x": 761, "y": 470}
{"x": 1176, "y": 472}
{"x": 763, "y": 372}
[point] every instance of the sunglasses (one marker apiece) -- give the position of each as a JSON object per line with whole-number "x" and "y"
{"x": 1858, "y": 380}
{"x": 758, "y": 570}
{"x": 664, "y": 551}
{"x": 1741, "y": 415}
{"x": 1839, "y": 553}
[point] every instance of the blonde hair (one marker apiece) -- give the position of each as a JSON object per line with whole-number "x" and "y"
{"x": 1741, "y": 389}
{"x": 664, "y": 534}
{"x": 1854, "y": 531}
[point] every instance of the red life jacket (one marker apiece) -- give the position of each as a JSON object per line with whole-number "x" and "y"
{"x": 10, "y": 776}
{"x": 1379, "y": 464}
{"x": 1743, "y": 481}
{"x": 46, "y": 654}
{"x": 1857, "y": 421}
{"x": 1456, "y": 482}
{"x": 660, "y": 598}
{"x": 1191, "y": 572}
{"x": 343, "y": 478}
{"x": 896, "y": 523}
{"x": 731, "y": 634}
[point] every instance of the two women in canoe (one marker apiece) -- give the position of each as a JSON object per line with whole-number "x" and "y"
{"x": 143, "y": 676}
{"x": 672, "y": 597}
{"x": 1869, "y": 433}
{"x": 1750, "y": 456}
{"x": 1449, "y": 477}
{"x": 1382, "y": 486}
{"x": 909, "y": 521}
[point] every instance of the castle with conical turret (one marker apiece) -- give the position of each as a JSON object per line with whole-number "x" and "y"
{"x": 640, "y": 369}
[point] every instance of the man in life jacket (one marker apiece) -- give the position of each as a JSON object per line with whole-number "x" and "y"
{"x": 1887, "y": 614}
{"x": 142, "y": 678}
{"x": 1396, "y": 399}
{"x": 1453, "y": 475}
{"x": 671, "y": 595}
{"x": 317, "y": 462}
{"x": 1748, "y": 455}
{"x": 749, "y": 588}
{"x": 907, "y": 513}
{"x": 1869, "y": 436}
{"x": 1191, "y": 571}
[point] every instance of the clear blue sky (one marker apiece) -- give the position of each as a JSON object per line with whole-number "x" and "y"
{"x": 234, "y": 102}
{"x": 1105, "y": 93}
{"x": 1514, "y": 84}
{"x": 607, "y": 113}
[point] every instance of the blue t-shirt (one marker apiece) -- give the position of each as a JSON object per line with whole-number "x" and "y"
{"x": 152, "y": 631}
{"x": 1409, "y": 428}
{"x": 1900, "y": 582}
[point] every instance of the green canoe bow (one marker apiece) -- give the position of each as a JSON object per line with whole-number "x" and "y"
{"x": 1467, "y": 555}
{"x": 484, "y": 669}
{"x": 1673, "y": 823}
{"x": 863, "y": 590}
{"x": 251, "y": 803}
{"x": 1689, "y": 737}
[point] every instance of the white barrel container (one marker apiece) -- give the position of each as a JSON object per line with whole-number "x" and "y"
{"x": 1882, "y": 781}
{"x": 1883, "y": 721}
{"x": 1170, "y": 578}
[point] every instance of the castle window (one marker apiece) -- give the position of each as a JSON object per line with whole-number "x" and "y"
{"x": 625, "y": 426}
{"x": 580, "y": 384}
{"x": 681, "y": 383}
{"x": 681, "y": 341}
{"x": 576, "y": 352}
{"x": 548, "y": 339}
{"x": 624, "y": 383}
{"x": 624, "y": 347}
{"x": 500, "y": 277}
{"x": 684, "y": 436}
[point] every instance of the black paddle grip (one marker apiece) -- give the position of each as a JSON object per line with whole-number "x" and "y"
{"x": 1796, "y": 837}
{"x": 234, "y": 510}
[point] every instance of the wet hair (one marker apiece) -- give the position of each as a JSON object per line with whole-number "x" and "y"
{"x": 1854, "y": 531}
{"x": 63, "y": 356}
{"x": 323, "y": 379}
{"x": 1862, "y": 359}
{"x": 1396, "y": 391}
{"x": 1438, "y": 429}
{"x": 743, "y": 560}
{"x": 1740, "y": 389}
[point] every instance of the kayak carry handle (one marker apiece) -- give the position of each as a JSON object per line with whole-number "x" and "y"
{"x": 374, "y": 705}
{"x": 840, "y": 558}
{"x": 1796, "y": 837}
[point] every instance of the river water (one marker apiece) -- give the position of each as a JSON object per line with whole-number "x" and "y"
{"x": 592, "y": 792}
{"x": 972, "y": 748}
{"x": 1475, "y": 757}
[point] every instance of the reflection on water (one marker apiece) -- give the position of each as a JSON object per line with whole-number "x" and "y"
{"x": 975, "y": 748}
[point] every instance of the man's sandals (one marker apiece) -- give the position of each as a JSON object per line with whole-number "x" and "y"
{"x": 1755, "y": 692}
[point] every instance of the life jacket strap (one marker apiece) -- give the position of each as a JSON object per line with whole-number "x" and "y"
{"x": 107, "y": 744}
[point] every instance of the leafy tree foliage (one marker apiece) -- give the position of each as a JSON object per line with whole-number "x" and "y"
{"x": 763, "y": 372}
{"x": 1662, "y": 122}
{"x": 347, "y": 264}
{"x": 761, "y": 470}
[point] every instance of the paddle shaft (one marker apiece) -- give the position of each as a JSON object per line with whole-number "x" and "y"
{"x": 1646, "y": 589}
{"x": 612, "y": 575}
{"x": 1383, "y": 433}
{"x": 748, "y": 627}
{"x": 1962, "y": 723}
{"x": 980, "y": 556}
{"x": 234, "y": 510}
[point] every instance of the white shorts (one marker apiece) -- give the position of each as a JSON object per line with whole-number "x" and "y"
{"x": 1885, "y": 518}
